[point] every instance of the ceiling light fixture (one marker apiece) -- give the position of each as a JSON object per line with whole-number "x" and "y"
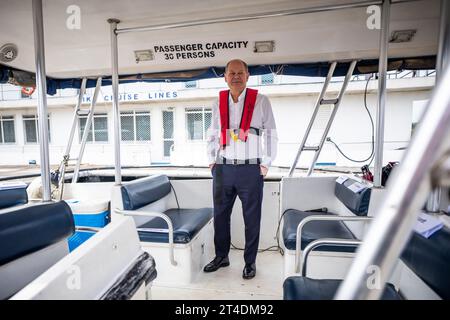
{"x": 400, "y": 36}
{"x": 143, "y": 55}
{"x": 264, "y": 46}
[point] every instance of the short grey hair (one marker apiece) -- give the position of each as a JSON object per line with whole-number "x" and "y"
{"x": 241, "y": 61}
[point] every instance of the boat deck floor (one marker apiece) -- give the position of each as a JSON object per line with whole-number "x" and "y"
{"x": 227, "y": 282}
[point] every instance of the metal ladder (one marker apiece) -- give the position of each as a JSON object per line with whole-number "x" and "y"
{"x": 321, "y": 101}
{"x": 76, "y": 116}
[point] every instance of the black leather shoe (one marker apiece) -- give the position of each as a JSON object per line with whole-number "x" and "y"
{"x": 217, "y": 263}
{"x": 249, "y": 271}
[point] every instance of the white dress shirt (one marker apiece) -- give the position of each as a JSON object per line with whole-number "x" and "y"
{"x": 263, "y": 146}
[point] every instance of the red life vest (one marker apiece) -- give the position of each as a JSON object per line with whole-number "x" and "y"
{"x": 246, "y": 119}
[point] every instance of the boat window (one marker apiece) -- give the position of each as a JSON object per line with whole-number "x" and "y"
{"x": 198, "y": 121}
{"x": 267, "y": 79}
{"x": 168, "y": 129}
{"x": 7, "y": 132}
{"x": 31, "y": 125}
{"x": 99, "y": 126}
{"x": 135, "y": 126}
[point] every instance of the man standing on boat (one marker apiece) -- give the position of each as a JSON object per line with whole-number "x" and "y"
{"x": 242, "y": 143}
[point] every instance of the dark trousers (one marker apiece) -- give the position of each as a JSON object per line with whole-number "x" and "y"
{"x": 246, "y": 182}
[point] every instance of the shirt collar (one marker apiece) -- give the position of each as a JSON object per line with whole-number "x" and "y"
{"x": 241, "y": 96}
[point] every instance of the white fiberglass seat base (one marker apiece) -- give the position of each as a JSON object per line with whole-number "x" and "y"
{"x": 92, "y": 270}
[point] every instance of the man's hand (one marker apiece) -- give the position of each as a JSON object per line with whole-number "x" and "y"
{"x": 211, "y": 165}
{"x": 264, "y": 170}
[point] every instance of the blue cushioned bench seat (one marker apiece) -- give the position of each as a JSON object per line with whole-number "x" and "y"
{"x": 314, "y": 230}
{"x": 354, "y": 195}
{"x": 430, "y": 260}
{"x": 29, "y": 228}
{"x": 13, "y": 197}
{"x": 141, "y": 192}
{"x": 186, "y": 224}
{"x": 303, "y": 288}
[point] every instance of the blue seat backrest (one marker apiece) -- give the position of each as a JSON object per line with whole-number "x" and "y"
{"x": 143, "y": 191}
{"x": 429, "y": 259}
{"x": 31, "y": 227}
{"x": 13, "y": 197}
{"x": 354, "y": 195}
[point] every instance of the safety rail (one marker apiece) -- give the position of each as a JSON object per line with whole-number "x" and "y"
{"x": 323, "y": 242}
{"x": 158, "y": 215}
{"x": 318, "y": 218}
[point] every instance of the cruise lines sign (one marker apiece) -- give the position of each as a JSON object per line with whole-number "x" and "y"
{"x": 138, "y": 96}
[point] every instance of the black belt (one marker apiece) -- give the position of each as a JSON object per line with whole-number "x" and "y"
{"x": 251, "y": 130}
{"x": 240, "y": 161}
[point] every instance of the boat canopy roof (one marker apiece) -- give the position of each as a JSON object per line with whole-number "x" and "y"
{"x": 191, "y": 40}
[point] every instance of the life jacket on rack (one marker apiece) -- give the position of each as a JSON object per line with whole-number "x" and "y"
{"x": 246, "y": 119}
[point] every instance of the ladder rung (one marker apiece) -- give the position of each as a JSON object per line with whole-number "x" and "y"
{"x": 83, "y": 112}
{"x": 310, "y": 148}
{"x": 329, "y": 101}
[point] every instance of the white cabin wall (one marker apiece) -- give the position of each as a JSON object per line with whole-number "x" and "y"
{"x": 292, "y": 106}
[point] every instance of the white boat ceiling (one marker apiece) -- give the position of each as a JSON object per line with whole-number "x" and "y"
{"x": 301, "y": 38}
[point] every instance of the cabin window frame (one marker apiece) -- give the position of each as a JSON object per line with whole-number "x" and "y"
{"x": 91, "y": 138}
{"x": 137, "y": 132}
{"x": 204, "y": 112}
{"x": 3, "y": 119}
{"x": 34, "y": 118}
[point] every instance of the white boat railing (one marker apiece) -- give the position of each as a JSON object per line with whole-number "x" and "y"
{"x": 158, "y": 215}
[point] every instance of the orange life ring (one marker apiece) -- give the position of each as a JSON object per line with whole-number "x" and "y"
{"x": 28, "y": 91}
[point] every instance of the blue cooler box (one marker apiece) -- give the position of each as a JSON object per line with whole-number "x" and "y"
{"x": 87, "y": 213}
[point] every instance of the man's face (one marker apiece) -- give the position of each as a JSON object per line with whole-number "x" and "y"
{"x": 236, "y": 76}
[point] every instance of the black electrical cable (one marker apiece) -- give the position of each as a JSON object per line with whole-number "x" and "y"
{"x": 271, "y": 248}
{"x": 277, "y": 248}
{"x": 372, "y": 153}
{"x": 277, "y": 234}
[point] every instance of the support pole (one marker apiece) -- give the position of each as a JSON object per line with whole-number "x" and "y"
{"x": 41, "y": 84}
{"x": 382, "y": 71}
{"x": 443, "y": 58}
{"x": 115, "y": 89}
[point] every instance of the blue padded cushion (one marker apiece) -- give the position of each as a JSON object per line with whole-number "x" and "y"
{"x": 143, "y": 191}
{"x": 13, "y": 197}
{"x": 358, "y": 202}
{"x": 314, "y": 230}
{"x": 303, "y": 288}
{"x": 186, "y": 224}
{"x": 430, "y": 260}
{"x": 29, "y": 228}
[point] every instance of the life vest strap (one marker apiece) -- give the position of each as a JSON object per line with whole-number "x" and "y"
{"x": 246, "y": 118}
